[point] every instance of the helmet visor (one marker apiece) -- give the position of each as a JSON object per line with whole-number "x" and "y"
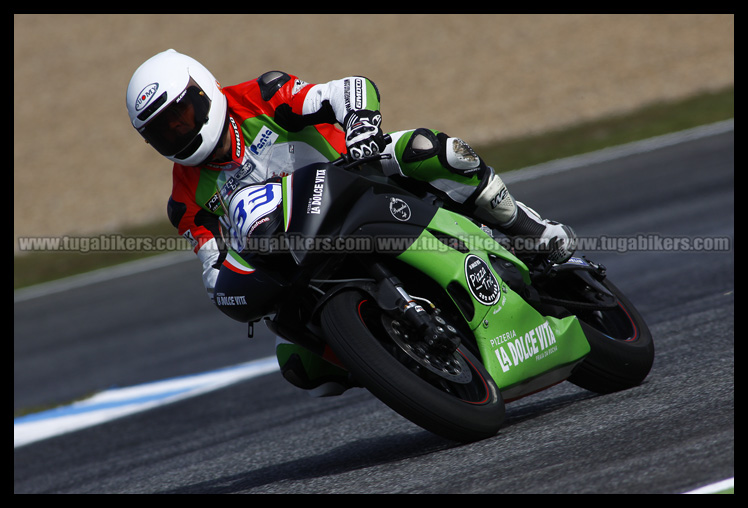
{"x": 178, "y": 124}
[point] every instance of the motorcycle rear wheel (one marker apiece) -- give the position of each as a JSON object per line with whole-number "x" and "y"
{"x": 622, "y": 348}
{"x": 462, "y": 406}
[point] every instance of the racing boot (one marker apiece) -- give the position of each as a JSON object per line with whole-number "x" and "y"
{"x": 530, "y": 234}
{"x": 309, "y": 371}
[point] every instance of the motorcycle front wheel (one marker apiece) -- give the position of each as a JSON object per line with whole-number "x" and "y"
{"x": 449, "y": 394}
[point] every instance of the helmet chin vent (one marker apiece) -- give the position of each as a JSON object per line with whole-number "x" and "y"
{"x": 191, "y": 148}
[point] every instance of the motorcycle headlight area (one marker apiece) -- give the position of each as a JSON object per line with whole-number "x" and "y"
{"x": 254, "y": 211}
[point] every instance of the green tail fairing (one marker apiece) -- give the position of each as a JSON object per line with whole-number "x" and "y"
{"x": 523, "y": 350}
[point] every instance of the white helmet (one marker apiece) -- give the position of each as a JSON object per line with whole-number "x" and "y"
{"x": 177, "y": 105}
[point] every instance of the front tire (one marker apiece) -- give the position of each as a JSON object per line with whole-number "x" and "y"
{"x": 462, "y": 403}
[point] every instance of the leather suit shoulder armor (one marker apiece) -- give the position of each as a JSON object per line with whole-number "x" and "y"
{"x": 271, "y": 82}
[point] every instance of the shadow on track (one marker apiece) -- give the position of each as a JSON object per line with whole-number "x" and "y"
{"x": 362, "y": 454}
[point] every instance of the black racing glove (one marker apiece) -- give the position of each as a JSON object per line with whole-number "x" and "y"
{"x": 363, "y": 137}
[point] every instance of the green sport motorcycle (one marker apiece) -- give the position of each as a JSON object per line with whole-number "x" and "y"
{"x": 421, "y": 305}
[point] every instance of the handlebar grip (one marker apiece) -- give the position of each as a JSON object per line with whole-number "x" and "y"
{"x": 348, "y": 162}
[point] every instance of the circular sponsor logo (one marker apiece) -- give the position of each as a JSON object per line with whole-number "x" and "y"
{"x": 145, "y": 96}
{"x": 399, "y": 209}
{"x": 482, "y": 283}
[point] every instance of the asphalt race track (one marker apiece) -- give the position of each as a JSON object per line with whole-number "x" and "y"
{"x": 671, "y": 435}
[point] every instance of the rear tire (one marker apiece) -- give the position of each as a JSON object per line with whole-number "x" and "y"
{"x": 462, "y": 406}
{"x": 622, "y": 349}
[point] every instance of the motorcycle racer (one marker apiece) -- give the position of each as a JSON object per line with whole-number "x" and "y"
{"x": 269, "y": 126}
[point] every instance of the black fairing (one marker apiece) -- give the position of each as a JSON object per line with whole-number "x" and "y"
{"x": 330, "y": 202}
{"x": 327, "y": 202}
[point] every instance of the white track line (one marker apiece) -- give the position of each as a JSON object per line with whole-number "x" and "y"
{"x": 715, "y": 487}
{"x": 618, "y": 152}
{"x": 119, "y": 402}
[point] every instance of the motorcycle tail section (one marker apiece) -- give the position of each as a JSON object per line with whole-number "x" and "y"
{"x": 523, "y": 350}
